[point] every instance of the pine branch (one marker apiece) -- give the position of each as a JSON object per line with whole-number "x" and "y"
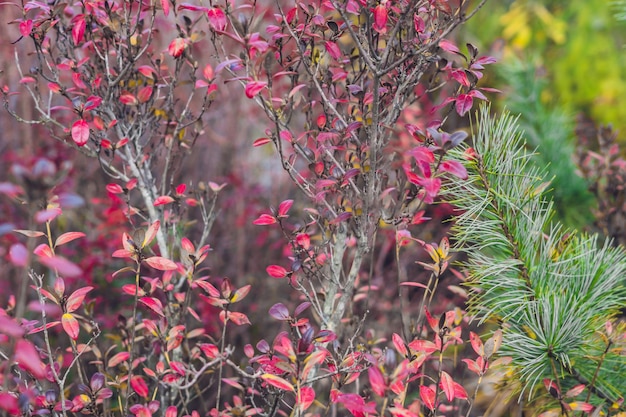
{"x": 552, "y": 289}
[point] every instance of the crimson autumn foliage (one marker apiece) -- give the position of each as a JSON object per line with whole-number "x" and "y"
{"x": 357, "y": 99}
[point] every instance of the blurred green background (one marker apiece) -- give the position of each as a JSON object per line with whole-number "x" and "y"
{"x": 558, "y": 60}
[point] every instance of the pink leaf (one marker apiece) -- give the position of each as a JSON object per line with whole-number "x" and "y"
{"x": 208, "y": 72}
{"x": 254, "y": 87}
{"x": 380, "y": 18}
{"x": 217, "y": 19}
{"x": 448, "y": 46}
{"x": 477, "y": 344}
{"x": 9, "y": 403}
{"x": 163, "y": 200}
{"x": 146, "y": 71}
{"x": 114, "y": 188}
{"x": 428, "y": 397}
{"x": 63, "y": 266}
{"x": 455, "y": 168}
{"x": 177, "y": 47}
{"x": 144, "y": 94}
{"x": 151, "y": 233}
{"x": 68, "y": 237}
{"x": 18, "y": 255}
{"x": 139, "y": 386}
{"x": 399, "y": 344}
{"x": 28, "y": 359}
{"x": 277, "y": 382}
{"x": 43, "y": 216}
{"x": 128, "y": 99}
{"x": 80, "y": 132}
{"x": 264, "y": 220}
{"x": 70, "y": 325}
{"x": 261, "y": 142}
{"x": 153, "y": 304}
{"x": 332, "y": 49}
{"x": 377, "y": 381}
{"x": 305, "y": 397}
{"x": 165, "y": 5}
{"x": 447, "y": 385}
{"x": 117, "y": 359}
{"x": 75, "y": 300}
{"x": 78, "y": 28}
{"x": 463, "y": 104}
{"x": 26, "y": 26}
{"x": 303, "y": 240}
{"x": 9, "y": 327}
{"x": 284, "y": 207}
{"x": 160, "y": 263}
{"x": 276, "y": 271}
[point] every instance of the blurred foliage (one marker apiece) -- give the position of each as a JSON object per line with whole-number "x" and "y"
{"x": 580, "y": 43}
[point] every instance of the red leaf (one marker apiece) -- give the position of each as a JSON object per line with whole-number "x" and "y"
{"x": 28, "y": 359}
{"x": 139, "y": 386}
{"x": 76, "y": 299}
{"x": 177, "y": 47}
{"x": 217, "y": 19}
{"x": 377, "y": 381}
{"x": 333, "y": 50}
{"x": 153, "y": 304}
{"x": 70, "y": 325}
{"x": 418, "y": 23}
{"x": 26, "y": 26}
{"x": 399, "y": 344}
{"x": 264, "y": 220}
{"x": 18, "y": 255}
{"x": 160, "y": 263}
{"x": 9, "y": 403}
{"x": 165, "y": 5}
{"x": 78, "y": 28}
{"x": 473, "y": 366}
{"x": 261, "y": 142}
{"x": 63, "y": 266}
{"x": 171, "y": 411}
{"x": 284, "y": 207}
{"x": 447, "y": 385}
{"x": 448, "y": 46}
{"x": 277, "y": 382}
{"x": 254, "y": 87}
{"x": 276, "y": 271}
{"x": 455, "y": 168}
{"x": 464, "y": 104}
{"x": 80, "y": 132}
{"x": 238, "y": 318}
{"x": 118, "y": 358}
{"x": 305, "y": 397}
{"x": 151, "y": 233}
{"x": 128, "y": 99}
{"x": 428, "y": 397}
{"x": 9, "y": 327}
{"x": 144, "y": 94}
{"x": 380, "y": 18}
{"x": 68, "y": 237}
{"x": 114, "y": 188}
{"x": 162, "y": 200}
{"x": 477, "y": 344}
{"x": 303, "y": 240}
{"x": 146, "y": 70}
